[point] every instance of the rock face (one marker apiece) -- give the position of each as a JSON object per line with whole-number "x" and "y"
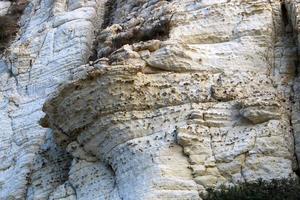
{"x": 148, "y": 99}
{"x": 55, "y": 38}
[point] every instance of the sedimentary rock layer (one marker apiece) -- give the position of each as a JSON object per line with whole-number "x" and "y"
{"x": 148, "y": 99}
{"x": 207, "y": 101}
{"x": 55, "y": 38}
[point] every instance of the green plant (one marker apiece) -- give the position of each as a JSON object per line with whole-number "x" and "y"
{"x": 285, "y": 189}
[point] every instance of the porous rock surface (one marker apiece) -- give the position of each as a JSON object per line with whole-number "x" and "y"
{"x": 148, "y": 99}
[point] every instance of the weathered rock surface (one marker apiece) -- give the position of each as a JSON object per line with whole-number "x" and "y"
{"x": 4, "y": 6}
{"x": 41, "y": 57}
{"x": 180, "y": 96}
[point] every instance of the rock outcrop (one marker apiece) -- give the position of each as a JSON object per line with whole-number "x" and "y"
{"x": 55, "y": 38}
{"x": 148, "y": 99}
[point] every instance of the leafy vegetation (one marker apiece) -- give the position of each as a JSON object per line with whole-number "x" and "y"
{"x": 261, "y": 190}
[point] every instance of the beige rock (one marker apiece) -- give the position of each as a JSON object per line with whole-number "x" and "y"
{"x": 148, "y": 99}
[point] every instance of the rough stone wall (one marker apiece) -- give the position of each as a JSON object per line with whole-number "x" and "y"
{"x": 54, "y": 39}
{"x": 180, "y": 96}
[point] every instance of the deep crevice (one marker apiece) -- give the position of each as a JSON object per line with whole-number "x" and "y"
{"x": 158, "y": 31}
{"x": 284, "y": 14}
{"x": 110, "y": 6}
{"x": 289, "y": 32}
{"x": 111, "y": 40}
{"x": 297, "y": 172}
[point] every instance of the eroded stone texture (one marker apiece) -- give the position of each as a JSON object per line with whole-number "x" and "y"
{"x": 181, "y": 96}
{"x": 206, "y": 100}
{"x": 55, "y": 37}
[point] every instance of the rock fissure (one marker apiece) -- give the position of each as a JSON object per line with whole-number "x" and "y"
{"x": 291, "y": 32}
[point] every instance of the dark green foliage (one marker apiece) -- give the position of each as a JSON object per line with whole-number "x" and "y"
{"x": 260, "y": 190}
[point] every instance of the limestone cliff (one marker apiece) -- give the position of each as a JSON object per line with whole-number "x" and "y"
{"x": 148, "y": 99}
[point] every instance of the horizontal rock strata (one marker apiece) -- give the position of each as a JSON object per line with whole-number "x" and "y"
{"x": 205, "y": 102}
{"x": 148, "y": 99}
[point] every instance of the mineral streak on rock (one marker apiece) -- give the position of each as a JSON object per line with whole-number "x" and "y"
{"x": 148, "y": 99}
